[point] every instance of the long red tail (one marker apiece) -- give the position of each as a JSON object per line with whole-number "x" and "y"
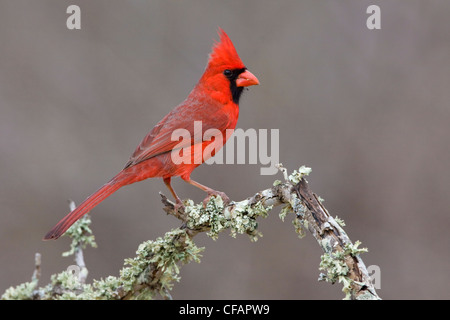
{"x": 94, "y": 199}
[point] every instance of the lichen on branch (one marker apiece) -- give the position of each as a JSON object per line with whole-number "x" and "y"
{"x": 156, "y": 266}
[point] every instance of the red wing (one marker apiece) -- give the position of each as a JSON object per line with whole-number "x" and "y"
{"x": 160, "y": 140}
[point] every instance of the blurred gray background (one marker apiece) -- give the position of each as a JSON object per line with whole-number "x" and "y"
{"x": 367, "y": 110}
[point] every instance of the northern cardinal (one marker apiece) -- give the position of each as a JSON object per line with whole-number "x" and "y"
{"x": 214, "y": 101}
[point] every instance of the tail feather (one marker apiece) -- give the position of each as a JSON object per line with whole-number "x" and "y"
{"x": 101, "y": 194}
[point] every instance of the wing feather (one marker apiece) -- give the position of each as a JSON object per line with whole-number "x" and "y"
{"x": 160, "y": 139}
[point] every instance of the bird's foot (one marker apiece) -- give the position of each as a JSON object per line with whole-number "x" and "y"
{"x": 178, "y": 207}
{"x": 226, "y": 200}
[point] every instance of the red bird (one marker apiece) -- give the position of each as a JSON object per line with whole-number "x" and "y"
{"x": 214, "y": 101}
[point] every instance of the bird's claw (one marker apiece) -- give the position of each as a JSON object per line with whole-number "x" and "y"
{"x": 178, "y": 208}
{"x": 178, "y": 205}
{"x": 226, "y": 200}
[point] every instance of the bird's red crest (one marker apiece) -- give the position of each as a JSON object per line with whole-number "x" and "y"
{"x": 224, "y": 53}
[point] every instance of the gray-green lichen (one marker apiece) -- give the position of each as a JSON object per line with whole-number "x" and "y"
{"x": 336, "y": 268}
{"x": 64, "y": 286}
{"x": 277, "y": 182}
{"x": 299, "y": 227}
{"x": 23, "y": 291}
{"x": 284, "y": 211}
{"x": 295, "y": 205}
{"x": 81, "y": 235}
{"x": 241, "y": 219}
{"x": 340, "y": 221}
{"x": 296, "y": 176}
{"x": 153, "y": 270}
{"x": 159, "y": 260}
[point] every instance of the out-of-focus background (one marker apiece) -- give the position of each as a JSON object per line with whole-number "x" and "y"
{"x": 368, "y": 110}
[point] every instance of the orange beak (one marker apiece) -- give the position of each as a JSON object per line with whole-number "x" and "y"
{"x": 246, "y": 79}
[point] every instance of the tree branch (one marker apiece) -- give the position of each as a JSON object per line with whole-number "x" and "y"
{"x": 155, "y": 267}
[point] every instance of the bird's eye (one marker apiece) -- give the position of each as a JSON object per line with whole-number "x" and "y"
{"x": 227, "y": 73}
